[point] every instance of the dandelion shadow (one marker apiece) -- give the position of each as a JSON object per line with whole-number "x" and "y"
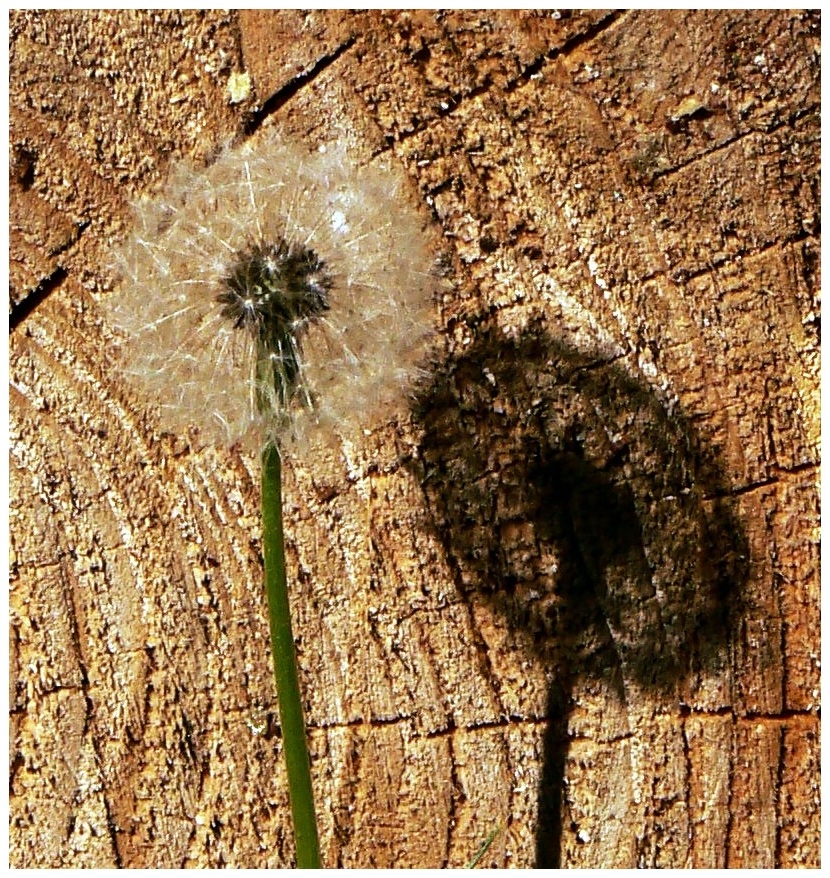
{"x": 590, "y": 519}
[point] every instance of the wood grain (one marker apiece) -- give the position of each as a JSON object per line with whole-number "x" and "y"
{"x": 571, "y": 595}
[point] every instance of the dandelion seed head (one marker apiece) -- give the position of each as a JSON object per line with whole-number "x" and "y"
{"x": 277, "y": 295}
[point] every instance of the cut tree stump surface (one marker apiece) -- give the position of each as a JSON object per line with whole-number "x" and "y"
{"x": 572, "y": 594}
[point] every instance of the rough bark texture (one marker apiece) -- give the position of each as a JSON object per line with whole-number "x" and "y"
{"x": 573, "y": 594}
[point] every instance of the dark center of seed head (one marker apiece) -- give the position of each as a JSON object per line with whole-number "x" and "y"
{"x": 274, "y": 291}
{"x": 273, "y": 287}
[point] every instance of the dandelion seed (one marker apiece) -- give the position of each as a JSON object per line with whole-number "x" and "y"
{"x": 276, "y": 295}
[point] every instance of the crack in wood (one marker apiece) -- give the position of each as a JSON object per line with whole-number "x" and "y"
{"x": 286, "y": 92}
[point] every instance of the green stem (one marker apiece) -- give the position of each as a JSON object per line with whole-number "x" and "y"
{"x": 295, "y": 745}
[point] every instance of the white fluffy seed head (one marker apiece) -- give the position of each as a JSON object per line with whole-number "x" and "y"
{"x": 355, "y": 359}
